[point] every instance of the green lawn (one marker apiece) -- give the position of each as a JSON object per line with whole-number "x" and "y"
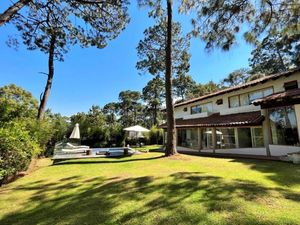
{"x": 151, "y": 189}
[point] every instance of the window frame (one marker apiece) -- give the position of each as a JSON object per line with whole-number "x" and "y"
{"x": 201, "y": 105}
{"x": 289, "y": 84}
{"x": 296, "y": 120}
{"x": 248, "y": 93}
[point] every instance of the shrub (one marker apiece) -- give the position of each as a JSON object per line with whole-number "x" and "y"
{"x": 16, "y": 150}
{"x": 155, "y": 136}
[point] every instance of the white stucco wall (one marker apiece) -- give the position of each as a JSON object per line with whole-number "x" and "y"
{"x": 242, "y": 151}
{"x": 279, "y": 150}
{"x": 276, "y": 150}
{"x": 224, "y": 108}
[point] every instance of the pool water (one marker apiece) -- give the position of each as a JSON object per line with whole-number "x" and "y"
{"x": 112, "y": 151}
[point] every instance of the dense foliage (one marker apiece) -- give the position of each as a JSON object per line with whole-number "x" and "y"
{"x": 22, "y": 136}
{"x": 17, "y": 147}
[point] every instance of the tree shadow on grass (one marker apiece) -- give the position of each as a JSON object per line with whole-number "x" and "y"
{"x": 110, "y": 160}
{"x": 181, "y": 198}
{"x": 283, "y": 173}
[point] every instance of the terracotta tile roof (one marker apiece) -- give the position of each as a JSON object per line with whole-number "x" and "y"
{"x": 279, "y": 97}
{"x": 217, "y": 120}
{"x": 248, "y": 84}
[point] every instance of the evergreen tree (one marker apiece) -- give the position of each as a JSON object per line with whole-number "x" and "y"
{"x": 49, "y": 26}
{"x": 164, "y": 59}
{"x": 183, "y": 86}
{"x": 153, "y": 94}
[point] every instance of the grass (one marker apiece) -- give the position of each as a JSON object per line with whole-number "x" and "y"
{"x": 151, "y": 189}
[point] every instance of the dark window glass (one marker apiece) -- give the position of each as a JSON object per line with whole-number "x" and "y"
{"x": 219, "y": 101}
{"x": 201, "y": 108}
{"x": 291, "y": 85}
{"x": 284, "y": 126}
{"x": 188, "y": 138}
{"x": 244, "y": 137}
{"x": 207, "y": 138}
{"x": 195, "y": 109}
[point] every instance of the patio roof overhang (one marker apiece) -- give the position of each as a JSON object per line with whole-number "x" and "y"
{"x": 286, "y": 98}
{"x": 217, "y": 120}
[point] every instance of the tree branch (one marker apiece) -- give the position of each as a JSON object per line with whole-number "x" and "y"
{"x": 8, "y": 14}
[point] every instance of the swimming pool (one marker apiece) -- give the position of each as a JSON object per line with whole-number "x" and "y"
{"x": 118, "y": 151}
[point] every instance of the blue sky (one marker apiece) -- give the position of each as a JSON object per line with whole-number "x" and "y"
{"x": 96, "y": 76}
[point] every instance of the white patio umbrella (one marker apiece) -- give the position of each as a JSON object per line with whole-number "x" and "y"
{"x": 210, "y": 132}
{"x": 75, "y": 133}
{"x": 137, "y": 130}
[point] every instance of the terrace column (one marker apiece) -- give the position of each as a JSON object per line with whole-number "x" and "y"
{"x": 267, "y": 131}
{"x": 199, "y": 139}
{"x": 214, "y": 139}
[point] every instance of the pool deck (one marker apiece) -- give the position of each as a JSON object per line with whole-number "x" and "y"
{"x": 62, "y": 157}
{"x": 59, "y": 156}
{"x": 76, "y": 156}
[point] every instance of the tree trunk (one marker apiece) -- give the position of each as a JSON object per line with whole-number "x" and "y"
{"x": 155, "y": 115}
{"x": 11, "y": 11}
{"x": 281, "y": 59}
{"x": 46, "y": 93}
{"x": 171, "y": 130}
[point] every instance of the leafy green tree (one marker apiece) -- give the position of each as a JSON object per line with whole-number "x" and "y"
{"x": 276, "y": 53}
{"x": 17, "y": 148}
{"x": 130, "y": 107}
{"x": 111, "y": 111}
{"x": 236, "y": 77}
{"x": 219, "y": 23}
{"x": 20, "y": 107}
{"x": 49, "y": 26}
{"x": 183, "y": 86}
{"x": 203, "y": 89}
{"x": 153, "y": 94}
{"x": 152, "y": 49}
{"x": 16, "y": 103}
{"x": 59, "y": 127}
{"x": 93, "y": 127}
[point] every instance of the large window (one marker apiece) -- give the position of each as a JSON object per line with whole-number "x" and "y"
{"x": 207, "y": 138}
{"x": 244, "y": 137}
{"x": 244, "y": 99}
{"x": 250, "y": 137}
{"x": 188, "y": 138}
{"x": 247, "y": 98}
{"x": 257, "y": 137}
{"x": 201, "y": 108}
{"x": 234, "y": 101}
{"x": 284, "y": 126}
{"x": 226, "y": 138}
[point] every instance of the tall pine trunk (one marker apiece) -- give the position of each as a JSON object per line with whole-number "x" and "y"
{"x": 155, "y": 115}
{"x": 11, "y": 11}
{"x": 171, "y": 130}
{"x": 44, "y": 99}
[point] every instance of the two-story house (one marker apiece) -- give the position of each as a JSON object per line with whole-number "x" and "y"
{"x": 261, "y": 117}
